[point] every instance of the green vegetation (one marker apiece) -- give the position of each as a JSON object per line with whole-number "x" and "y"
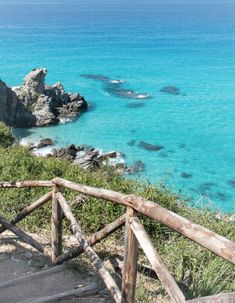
{"x": 209, "y": 274}
{"x": 6, "y": 138}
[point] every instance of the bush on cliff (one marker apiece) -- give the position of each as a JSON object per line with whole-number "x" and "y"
{"x": 209, "y": 273}
{"x": 6, "y": 138}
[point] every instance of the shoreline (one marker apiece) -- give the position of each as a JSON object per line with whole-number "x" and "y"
{"x": 124, "y": 170}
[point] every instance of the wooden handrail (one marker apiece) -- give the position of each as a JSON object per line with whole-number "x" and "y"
{"x": 221, "y": 246}
{"x": 22, "y": 184}
{"x": 136, "y": 205}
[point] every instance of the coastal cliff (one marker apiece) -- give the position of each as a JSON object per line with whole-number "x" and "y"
{"x": 35, "y": 103}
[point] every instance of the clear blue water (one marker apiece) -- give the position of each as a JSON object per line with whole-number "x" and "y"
{"x": 149, "y": 44}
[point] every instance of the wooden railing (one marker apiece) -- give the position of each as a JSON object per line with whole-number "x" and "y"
{"x": 135, "y": 235}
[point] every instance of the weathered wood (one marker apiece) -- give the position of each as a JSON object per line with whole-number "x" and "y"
{"x": 129, "y": 273}
{"x": 56, "y": 228}
{"x": 220, "y": 298}
{"x": 161, "y": 270}
{"x": 219, "y": 245}
{"x": 85, "y": 291}
{"x": 23, "y": 236}
{"x": 97, "y": 237}
{"x": 29, "y": 209}
{"x": 95, "y": 260}
{"x": 19, "y": 184}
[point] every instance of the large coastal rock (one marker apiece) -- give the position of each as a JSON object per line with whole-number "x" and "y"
{"x": 35, "y": 103}
{"x": 12, "y": 110}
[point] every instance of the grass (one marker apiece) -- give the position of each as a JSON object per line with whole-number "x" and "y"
{"x": 209, "y": 274}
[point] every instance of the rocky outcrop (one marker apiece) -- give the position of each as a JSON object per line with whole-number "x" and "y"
{"x": 38, "y": 104}
{"x": 12, "y": 110}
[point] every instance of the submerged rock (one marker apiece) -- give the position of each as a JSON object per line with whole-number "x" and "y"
{"x": 231, "y": 183}
{"x": 150, "y": 147}
{"x": 136, "y": 105}
{"x": 95, "y": 77}
{"x": 36, "y": 104}
{"x": 172, "y": 90}
{"x": 115, "y": 87}
{"x": 186, "y": 175}
{"x": 131, "y": 142}
{"x": 138, "y": 167}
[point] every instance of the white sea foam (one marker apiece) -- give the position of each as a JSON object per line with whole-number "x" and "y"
{"x": 25, "y": 142}
{"x": 116, "y": 81}
{"x": 15, "y": 87}
{"x": 142, "y": 96}
{"x": 42, "y": 151}
{"x": 65, "y": 120}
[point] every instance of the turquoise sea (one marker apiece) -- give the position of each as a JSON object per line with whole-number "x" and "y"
{"x": 148, "y": 44}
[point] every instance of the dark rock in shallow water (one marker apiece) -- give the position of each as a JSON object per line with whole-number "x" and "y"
{"x": 150, "y": 147}
{"x": 182, "y": 146}
{"x": 231, "y": 183}
{"x": 222, "y": 196}
{"x": 108, "y": 155}
{"x": 136, "y": 105}
{"x": 45, "y": 142}
{"x": 131, "y": 142}
{"x": 115, "y": 87}
{"x": 171, "y": 90}
{"x": 95, "y": 77}
{"x": 163, "y": 155}
{"x": 36, "y": 104}
{"x": 204, "y": 187}
{"x": 186, "y": 175}
{"x": 138, "y": 167}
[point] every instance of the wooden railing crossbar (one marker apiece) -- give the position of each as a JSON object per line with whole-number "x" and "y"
{"x": 95, "y": 260}
{"x": 94, "y": 239}
{"x": 29, "y": 210}
{"x": 135, "y": 235}
{"x": 25, "y": 237}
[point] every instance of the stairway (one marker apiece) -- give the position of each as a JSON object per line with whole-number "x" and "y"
{"x": 20, "y": 283}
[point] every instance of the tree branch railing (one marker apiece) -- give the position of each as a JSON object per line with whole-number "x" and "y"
{"x": 135, "y": 236}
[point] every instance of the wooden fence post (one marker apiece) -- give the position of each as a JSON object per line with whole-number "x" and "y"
{"x": 130, "y": 261}
{"x": 56, "y": 230}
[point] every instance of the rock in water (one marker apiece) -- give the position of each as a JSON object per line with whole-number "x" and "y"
{"x": 45, "y": 142}
{"x": 37, "y": 104}
{"x": 172, "y": 90}
{"x": 150, "y": 147}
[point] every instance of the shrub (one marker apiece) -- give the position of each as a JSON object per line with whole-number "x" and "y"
{"x": 6, "y": 137}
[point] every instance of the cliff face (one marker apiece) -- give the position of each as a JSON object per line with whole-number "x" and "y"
{"x": 37, "y": 104}
{"x": 12, "y": 111}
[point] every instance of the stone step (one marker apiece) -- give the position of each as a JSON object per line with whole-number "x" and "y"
{"x": 44, "y": 285}
{"x": 11, "y": 268}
